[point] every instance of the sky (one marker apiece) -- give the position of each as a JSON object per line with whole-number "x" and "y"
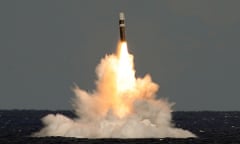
{"x": 190, "y": 48}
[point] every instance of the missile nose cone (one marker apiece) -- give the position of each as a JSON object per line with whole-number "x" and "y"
{"x": 121, "y": 16}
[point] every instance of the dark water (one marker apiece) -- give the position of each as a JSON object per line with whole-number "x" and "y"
{"x": 211, "y": 127}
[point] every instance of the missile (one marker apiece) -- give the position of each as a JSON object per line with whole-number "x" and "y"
{"x": 122, "y": 27}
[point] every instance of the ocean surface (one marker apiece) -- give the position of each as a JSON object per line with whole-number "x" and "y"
{"x": 213, "y": 127}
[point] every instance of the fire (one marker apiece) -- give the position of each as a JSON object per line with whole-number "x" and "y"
{"x": 125, "y": 80}
{"x": 125, "y": 71}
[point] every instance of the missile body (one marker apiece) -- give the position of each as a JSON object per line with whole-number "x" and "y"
{"x": 122, "y": 27}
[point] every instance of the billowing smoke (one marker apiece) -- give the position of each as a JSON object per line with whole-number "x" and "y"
{"x": 122, "y": 106}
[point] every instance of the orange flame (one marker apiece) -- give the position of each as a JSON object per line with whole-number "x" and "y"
{"x": 125, "y": 70}
{"x": 117, "y": 86}
{"x": 125, "y": 80}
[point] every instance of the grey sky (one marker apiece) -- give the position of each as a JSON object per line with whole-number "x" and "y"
{"x": 191, "y": 48}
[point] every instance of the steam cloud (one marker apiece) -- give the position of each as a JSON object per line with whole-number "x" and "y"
{"x": 102, "y": 113}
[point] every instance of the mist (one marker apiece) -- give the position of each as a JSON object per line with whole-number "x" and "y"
{"x": 121, "y": 106}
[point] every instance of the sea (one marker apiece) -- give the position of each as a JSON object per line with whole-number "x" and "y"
{"x": 211, "y": 127}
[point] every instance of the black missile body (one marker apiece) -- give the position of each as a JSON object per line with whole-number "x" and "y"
{"x": 122, "y": 27}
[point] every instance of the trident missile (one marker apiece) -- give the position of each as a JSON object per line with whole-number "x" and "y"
{"x": 122, "y": 27}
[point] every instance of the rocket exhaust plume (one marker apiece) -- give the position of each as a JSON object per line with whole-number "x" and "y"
{"x": 122, "y": 106}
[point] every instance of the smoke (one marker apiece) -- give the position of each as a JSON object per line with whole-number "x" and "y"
{"x": 122, "y": 106}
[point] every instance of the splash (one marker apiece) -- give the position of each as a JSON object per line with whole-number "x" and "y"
{"x": 122, "y": 106}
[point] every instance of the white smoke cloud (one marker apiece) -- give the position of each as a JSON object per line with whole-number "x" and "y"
{"x": 98, "y": 112}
